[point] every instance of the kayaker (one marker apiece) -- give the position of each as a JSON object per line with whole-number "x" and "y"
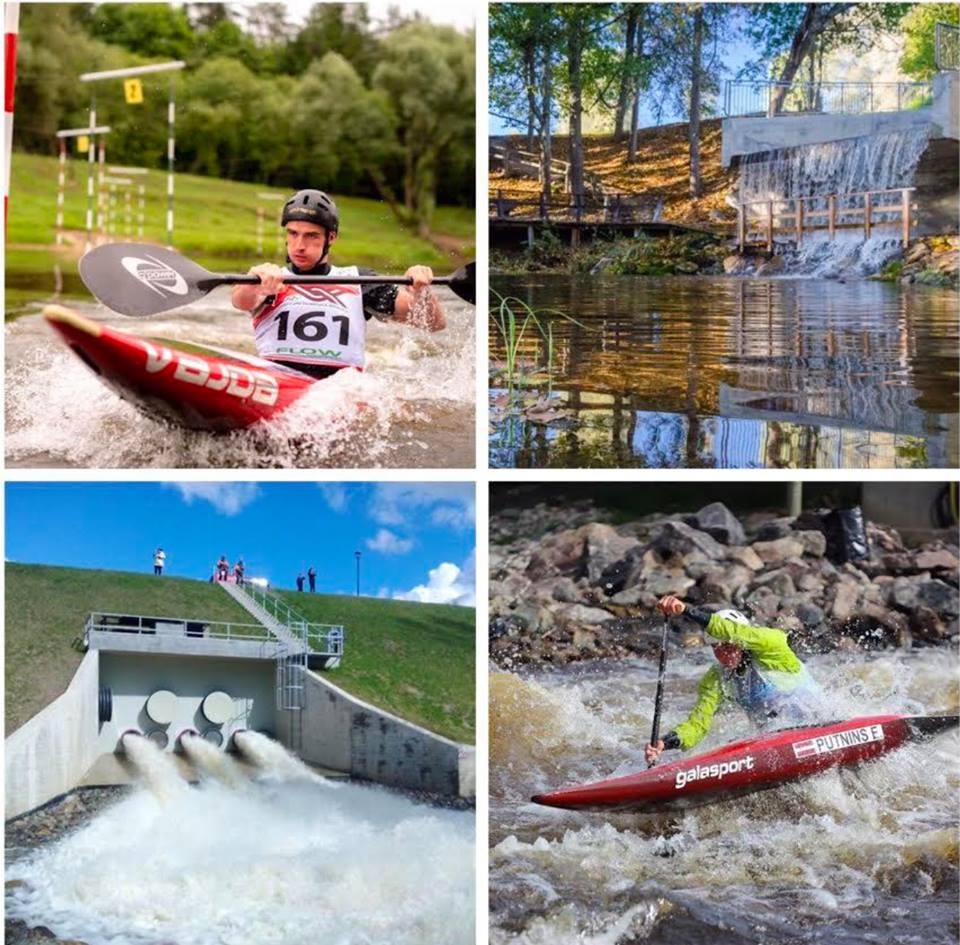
{"x": 321, "y": 329}
{"x": 757, "y": 670}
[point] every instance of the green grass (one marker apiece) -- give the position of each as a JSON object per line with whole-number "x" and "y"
{"x": 215, "y": 224}
{"x": 414, "y": 660}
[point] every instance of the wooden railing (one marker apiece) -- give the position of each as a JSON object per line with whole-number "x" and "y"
{"x": 759, "y": 221}
{"x": 576, "y": 208}
{"x": 517, "y": 162}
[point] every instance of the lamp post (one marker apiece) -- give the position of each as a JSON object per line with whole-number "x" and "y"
{"x": 356, "y": 554}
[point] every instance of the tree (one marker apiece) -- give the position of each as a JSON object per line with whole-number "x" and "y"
{"x": 334, "y": 27}
{"x": 426, "y": 73}
{"x": 150, "y": 29}
{"x": 696, "y": 77}
{"x": 919, "y": 30}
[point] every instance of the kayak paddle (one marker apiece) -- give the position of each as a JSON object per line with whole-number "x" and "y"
{"x": 658, "y": 704}
{"x": 139, "y": 279}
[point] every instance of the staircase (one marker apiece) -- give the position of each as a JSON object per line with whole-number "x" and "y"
{"x": 294, "y": 637}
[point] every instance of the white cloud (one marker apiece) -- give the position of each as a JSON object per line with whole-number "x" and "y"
{"x": 228, "y": 498}
{"x": 450, "y": 504}
{"x": 447, "y": 584}
{"x": 335, "y": 494}
{"x": 389, "y": 544}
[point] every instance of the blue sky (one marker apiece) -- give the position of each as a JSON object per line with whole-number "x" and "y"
{"x": 417, "y": 540}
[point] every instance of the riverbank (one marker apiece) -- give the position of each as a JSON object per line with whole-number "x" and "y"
{"x": 571, "y": 586}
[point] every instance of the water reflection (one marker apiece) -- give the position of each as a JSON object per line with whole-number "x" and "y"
{"x": 737, "y": 373}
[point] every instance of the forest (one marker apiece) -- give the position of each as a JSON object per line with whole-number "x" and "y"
{"x": 384, "y": 110}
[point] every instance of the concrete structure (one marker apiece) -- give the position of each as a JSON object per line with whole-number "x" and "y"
{"x": 50, "y": 754}
{"x": 752, "y": 135}
{"x": 347, "y": 734}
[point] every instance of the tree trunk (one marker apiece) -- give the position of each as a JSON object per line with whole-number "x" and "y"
{"x": 696, "y": 77}
{"x": 574, "y": 60}
{"x": 635, "y": 89}
{"x": 530, "y": 76}
{"x": 816, "y": 19}
{"x": 546, "y": 136}
{"x": 634, "y": 13}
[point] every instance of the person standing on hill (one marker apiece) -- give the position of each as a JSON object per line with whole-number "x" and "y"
{"x": 300, "y": 581}
{"x": 159, "y": 558}
{"x": 238, "y": 573}
{"x": 312, "y": 578}
{"x": 223, "y": 568}
{"x": 321, "y": 329}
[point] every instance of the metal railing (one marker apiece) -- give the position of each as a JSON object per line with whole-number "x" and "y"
{"x": 576, "y": 208}
{"x": 323, "y": 639}
{"x": 759, "y": 221}
{"x": 187, "y": 627}
{"x": 947, "y": 46}
{"x": 763, "y": 97}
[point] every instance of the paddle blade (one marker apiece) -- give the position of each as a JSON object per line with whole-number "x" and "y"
{"x": 464, "y": 283}
{"x": 139, "y": 279}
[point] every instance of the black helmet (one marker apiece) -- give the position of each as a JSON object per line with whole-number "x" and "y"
{"x": 311, "y": 206}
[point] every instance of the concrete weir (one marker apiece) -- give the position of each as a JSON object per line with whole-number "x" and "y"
{"x": 153, "y": 688}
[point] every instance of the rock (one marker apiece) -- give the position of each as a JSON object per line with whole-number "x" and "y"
{"x": 928, "y": 625}
{"x": 722, "y": 584}
{"x": 845, "y": 601}
{"x": 662, "y": 582}
{"x": 935, "y": 559}
{"x": 745, "y": 556}
{"x": 778, "y": 581}
{"x": 733, "y": 264}
{"x": 763, "y": 604}
{"x": 814, "y": 543}
{"x": 810, "y": 584}
{"x": 773, "y": 529}
{"x": 772, "y": 265}
{"x": 562, "y": 553}
{"x": 584, "y": 639}
{"x": 939, "y": 597}
{"x": 776, "y": 552}
{"x": 634, "y": 596}
{"x": 676, "y": 539}
{"x": 902, "y": 593}
{"x": 603, "y": 546}
{"x": 915, "y": 253}
{"x": 580, "y": 615}
{"x": 720, "y": 523}
{"x": 810, "y": 615}
{"x": 566, "y": 591}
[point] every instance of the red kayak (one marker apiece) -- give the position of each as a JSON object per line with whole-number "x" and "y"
{"x": 753, "y": 764}
{"x": 200, "y": 388}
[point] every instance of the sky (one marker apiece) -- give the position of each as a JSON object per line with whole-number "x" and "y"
{"x": 461, "y": 15}
{"x": 417, "y": 540}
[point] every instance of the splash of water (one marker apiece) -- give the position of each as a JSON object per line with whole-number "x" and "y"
{"x": 273, "y": 758}
{"x": 285, "y": 864}
{"x": 212, "y": 760}
{"x": 157, "y": 768}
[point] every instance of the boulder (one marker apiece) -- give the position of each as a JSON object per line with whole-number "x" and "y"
{"x": 603, "y": 545}
{"x": 677, "y": 539}
{"x": 666, "y": 581}
{"x": 579, "y": 615}
{"x": 814, "y": 543}
{"x": 778, "y": 551}
{"x": 745, "y": 556}
{"x": 936, "y": 559}
{"x": 844, "y": 601}
{"x": 778, "y": 582}
{"x": 774, "y": 528}
{"x": 719, "y": 522}
{"x": 940, "y": 597}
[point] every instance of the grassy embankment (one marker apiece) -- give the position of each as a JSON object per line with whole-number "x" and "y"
{"x": 415, "y": 660}
{"x": 662, "y": 167}
{"x": 215, "y": 225}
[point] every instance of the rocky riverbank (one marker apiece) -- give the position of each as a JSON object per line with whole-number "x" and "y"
{"x": 567, "y": 585}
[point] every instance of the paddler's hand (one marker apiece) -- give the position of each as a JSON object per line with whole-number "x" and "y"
{"x": 422, "y": 276}
{"x": 671, "y": 606}
{"x": 271, "y": 279}
{"x": 653, "y": 752}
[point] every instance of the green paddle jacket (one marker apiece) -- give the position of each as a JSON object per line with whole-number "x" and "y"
{"x": 771, "y": 683}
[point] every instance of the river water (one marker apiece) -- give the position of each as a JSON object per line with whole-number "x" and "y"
{"x": 725, "y": 372}
{"x": 846, "y": 858}
{"x": 418, "y": 393}
{"x": 294, "y": 863}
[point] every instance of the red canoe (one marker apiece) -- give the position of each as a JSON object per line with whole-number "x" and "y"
{"x": 753, "y": 764}
{"x": 200, "y": 388}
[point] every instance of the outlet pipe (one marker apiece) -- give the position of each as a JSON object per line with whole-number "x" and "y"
{"x": 185, "y": 733}
{"x": 162, "y": 706}
{"x": 130, "y": 732}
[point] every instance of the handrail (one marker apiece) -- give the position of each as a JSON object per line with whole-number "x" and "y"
{"x": 611, "y": 207}
{"x": 777, "y": 211}
{"x": 191, "y": 627}
{"x": 758, "y": 97}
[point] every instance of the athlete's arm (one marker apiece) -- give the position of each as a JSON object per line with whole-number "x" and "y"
{"x": 248, "y": 297}
{"x": 416, "y": 304}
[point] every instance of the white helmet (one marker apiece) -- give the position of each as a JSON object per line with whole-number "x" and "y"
{"x": 735, "y": 616}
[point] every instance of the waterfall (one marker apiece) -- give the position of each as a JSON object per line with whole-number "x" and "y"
{"x": 272, "y": 758}
{"x": 851, "y": 166}
{"x": 157, "y": 768}
{"x": 212, "y": 760}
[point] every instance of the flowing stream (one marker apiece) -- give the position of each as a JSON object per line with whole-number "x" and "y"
{"x": 417, "y": 396}
{"x": 848, "y": 857}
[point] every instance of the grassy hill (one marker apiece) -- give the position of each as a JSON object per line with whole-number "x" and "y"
{"x": 415, "y": 660}
{"x": 215, "y": 224}
{"x": 662, "y": 165}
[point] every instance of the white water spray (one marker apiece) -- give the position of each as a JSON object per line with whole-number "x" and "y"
{"x": 157, "y": 768}
{"x": 273, "y": 759}
{"x": 211, "y": 760}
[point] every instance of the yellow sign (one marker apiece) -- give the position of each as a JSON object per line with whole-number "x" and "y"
{"x": 133, "y": 91}
{"x": 83, "y": 144}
